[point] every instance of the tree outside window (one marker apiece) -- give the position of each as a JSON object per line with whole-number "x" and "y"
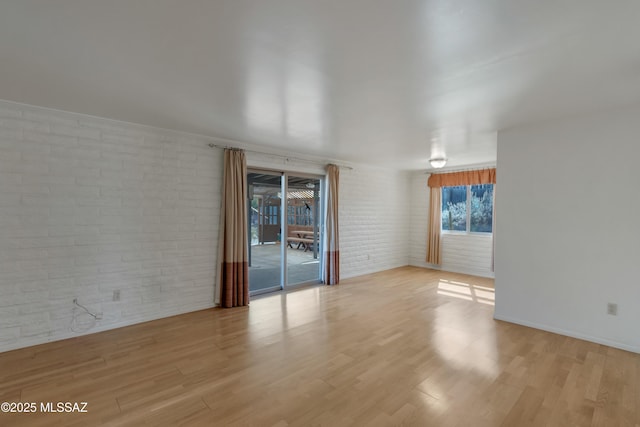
{"x": 468, "y": 208}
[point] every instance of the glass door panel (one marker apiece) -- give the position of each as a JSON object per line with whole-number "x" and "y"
{"x": 265, "y": 225}
{"x": 303, "y": 229}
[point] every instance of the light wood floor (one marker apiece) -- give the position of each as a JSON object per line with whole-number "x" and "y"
{"x": 403, "y": 347}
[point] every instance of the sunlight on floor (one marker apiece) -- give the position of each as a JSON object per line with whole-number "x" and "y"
{"x": 297, "y": 308}
{"x": 466, "y": 291}
{"x": 430, "y": 393}
{"x": 457, "y": 337}
{"x": 465, "y": 350}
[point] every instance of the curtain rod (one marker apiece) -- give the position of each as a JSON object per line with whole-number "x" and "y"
{"x": 228, "y": 147}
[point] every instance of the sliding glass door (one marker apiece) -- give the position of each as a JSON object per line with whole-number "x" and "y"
{"x": 303, "y": 229}
{"x": 284, "y": 249}
{"x": 265, "y": 225}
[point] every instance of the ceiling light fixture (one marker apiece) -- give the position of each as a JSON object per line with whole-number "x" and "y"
{"x": 438, "y": 162}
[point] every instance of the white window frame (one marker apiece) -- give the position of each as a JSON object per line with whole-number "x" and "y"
{"x": 468, "y": 212}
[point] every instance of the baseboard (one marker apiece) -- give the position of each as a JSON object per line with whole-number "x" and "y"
{"x": 568, "y": 333}
{"x": 375, "y": 270}
{"x": 470, "y": 272}
{"x": 37, "y": 340}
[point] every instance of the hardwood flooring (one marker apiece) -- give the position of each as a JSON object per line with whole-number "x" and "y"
{"x": 403, "y": 347}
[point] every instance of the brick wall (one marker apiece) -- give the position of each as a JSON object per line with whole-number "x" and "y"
{"x": 374, "y": 220}
{"x": 91, "y": 206}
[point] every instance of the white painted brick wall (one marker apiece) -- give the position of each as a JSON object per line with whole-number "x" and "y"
{"x": 374, "y": 220}
{"x": 419, "y": 219}
{"x": 89, "y": 206}
{"x": 461, "y": 253}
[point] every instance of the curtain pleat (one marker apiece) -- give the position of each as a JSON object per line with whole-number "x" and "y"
{"x": 233, "y": 251}
{"x": 433, "y": 232}
{"x": 331, "y": 274}
{"x": 473, "y": 177}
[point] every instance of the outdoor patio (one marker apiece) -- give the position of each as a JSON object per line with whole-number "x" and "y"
{"x": 264, "y": 271}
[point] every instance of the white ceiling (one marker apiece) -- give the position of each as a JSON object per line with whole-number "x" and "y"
{"x": 387, "y": 82}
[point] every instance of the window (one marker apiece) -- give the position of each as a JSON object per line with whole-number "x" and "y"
{"x": 454, "y": 208}
{"x": 468, "y": 208}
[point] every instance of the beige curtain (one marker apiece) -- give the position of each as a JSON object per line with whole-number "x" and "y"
{"x": 433, "y": 233}
{"x": 233, "y": 252}
{"x": 331, "y": 274}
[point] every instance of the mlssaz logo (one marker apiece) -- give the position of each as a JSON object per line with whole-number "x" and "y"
{"x": 63, "y": 407}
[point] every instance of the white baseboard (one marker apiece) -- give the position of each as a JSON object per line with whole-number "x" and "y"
{"x": 470, "y": 272}
{"x": 572, "y": 334}
{"x": 370, "y": 271}
{"x": 37, "y": 340}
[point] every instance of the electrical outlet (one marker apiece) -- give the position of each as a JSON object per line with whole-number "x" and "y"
{"x": 116, "y": 295}
{"x": 612, "y": 309}
{"x": 99, "y": 316}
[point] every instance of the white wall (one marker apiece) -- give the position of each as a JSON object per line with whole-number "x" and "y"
{"x": 419, "y": 219}
{"x": 89, "y": 206}
{"x": 461, "y": 253}
{"x": 374, "y": 217}
{"x": 568, "y": 228}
